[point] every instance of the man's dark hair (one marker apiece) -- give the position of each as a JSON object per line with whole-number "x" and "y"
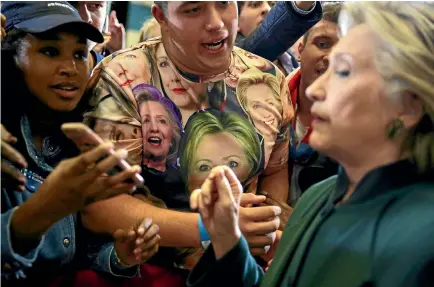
{"x": 330, "y": 12}
{"x": 163, "y": 6}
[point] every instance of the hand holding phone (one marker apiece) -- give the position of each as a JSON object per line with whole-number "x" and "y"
{"x": 87, "y": 139}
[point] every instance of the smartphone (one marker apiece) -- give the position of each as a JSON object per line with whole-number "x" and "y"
{"x": 86, "y": 139}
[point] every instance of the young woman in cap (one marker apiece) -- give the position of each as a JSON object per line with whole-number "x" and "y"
{"x": 45, "y": 54}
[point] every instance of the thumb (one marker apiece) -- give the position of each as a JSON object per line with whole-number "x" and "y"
{"x": 224, "y": 188}
{"x": 120, "y": 235}
{"x": 234, "y": 183}
{"x": 194, "y": 199}
{"x": 250, "y": 198}
{"x": 142, "y": 226}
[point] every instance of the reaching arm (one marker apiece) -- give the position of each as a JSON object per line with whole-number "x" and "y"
{"x": 237, "y": 265}
{"x": 177, "y": 229}
{"x": 281, "y": 28}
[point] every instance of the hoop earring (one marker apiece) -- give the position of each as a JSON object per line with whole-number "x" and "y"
{"x": 395, "y": 128}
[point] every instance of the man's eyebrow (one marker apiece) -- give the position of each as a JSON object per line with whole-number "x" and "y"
{"x": 185, "y": 3}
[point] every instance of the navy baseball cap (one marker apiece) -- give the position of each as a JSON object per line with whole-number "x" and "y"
{"x": 38, "y": 17}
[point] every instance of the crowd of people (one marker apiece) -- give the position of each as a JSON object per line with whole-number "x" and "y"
{"x": 281, "y": 144}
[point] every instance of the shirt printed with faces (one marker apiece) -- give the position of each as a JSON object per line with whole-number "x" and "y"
{"x": 178, "y": 126}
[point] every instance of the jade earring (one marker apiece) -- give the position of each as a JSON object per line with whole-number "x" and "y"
{"x": 395, "y": 128}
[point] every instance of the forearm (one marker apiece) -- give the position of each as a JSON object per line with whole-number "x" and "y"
{"x": 12, "y": 248}
{"x": 177, "y": 229}
{"x": 282, "y": 27}
{"x": 276, "y": 184}
{"x": 237, "y": 264}
{"x": 30, "y": 221}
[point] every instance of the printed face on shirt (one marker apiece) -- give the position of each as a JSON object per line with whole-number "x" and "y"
{"x": 214, "y": 150}
{"x": 115, "y": 131}
{"x": 156, "y": 128}
{"x": 235, "y": 72}
{"x": 258, "y": 62}
{"x": 262, "y": 106}
{"x": 177, "y": 89}
{"x": 214, "y": 138}
{"x": 131, "y": 69}
{"x": 123, "y": 134}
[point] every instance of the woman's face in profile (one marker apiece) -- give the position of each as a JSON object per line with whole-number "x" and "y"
{"x": 55, "y": 68}
{"x": 350, "y": 108}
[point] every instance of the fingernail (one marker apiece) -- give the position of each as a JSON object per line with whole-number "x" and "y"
{"x": 206, "y": 200}
{"x": 108, "y": 145}
{"x": 21, "y": 187}
{"x": 221, "y": 173}
{"x": 123, "y": 153}
{"x": 22, "y": 163}
{"x": 138, "y": 169}
{"x": 148, "y": 222}
{"x": 22, "y": 180}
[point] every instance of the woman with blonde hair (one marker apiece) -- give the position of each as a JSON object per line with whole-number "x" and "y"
{"x": 259, "y": 95}
{"x": 239, "y": 146}
{"x": 373, "y": 223}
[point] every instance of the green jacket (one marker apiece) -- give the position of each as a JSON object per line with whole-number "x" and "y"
{"x": 382, "y": 236}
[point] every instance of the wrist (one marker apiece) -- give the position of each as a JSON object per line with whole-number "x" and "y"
{"x": 203, "y": 233}
{"x": 31, "y": 220}
{"x": 117, "y": 261}
{"x": 223, "y": 244}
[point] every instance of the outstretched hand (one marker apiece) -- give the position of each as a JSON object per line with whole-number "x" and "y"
{"x": 138, "y": 244}
{"x": 218, "y": 204}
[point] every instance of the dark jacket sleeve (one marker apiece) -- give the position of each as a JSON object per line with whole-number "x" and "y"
{"x": 282, "y": 27}
{"x": 236, "y": 268}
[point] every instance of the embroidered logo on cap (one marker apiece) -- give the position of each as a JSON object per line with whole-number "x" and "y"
{"x": 52, "y": 4}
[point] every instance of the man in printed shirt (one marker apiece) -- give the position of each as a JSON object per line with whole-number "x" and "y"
{"x": 188, "y": 102}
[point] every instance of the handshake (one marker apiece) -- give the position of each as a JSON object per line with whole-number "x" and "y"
{"x": 221, "y": 204}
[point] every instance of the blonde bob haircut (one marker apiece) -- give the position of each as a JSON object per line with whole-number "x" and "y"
{"x": 405, "y": 59}
{"x": 254, "y": 76}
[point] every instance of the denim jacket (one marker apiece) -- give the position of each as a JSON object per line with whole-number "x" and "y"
{"x": 281, "y": 28}
{"x": 61, "y": 247}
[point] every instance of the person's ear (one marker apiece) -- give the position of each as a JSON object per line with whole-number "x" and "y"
{"x": 300, "y": 49}
{"x": 158, "y": 14}
{"x": 412, "y": 110}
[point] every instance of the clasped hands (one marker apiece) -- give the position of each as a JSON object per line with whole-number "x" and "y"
{"x": 222, "y": 206}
